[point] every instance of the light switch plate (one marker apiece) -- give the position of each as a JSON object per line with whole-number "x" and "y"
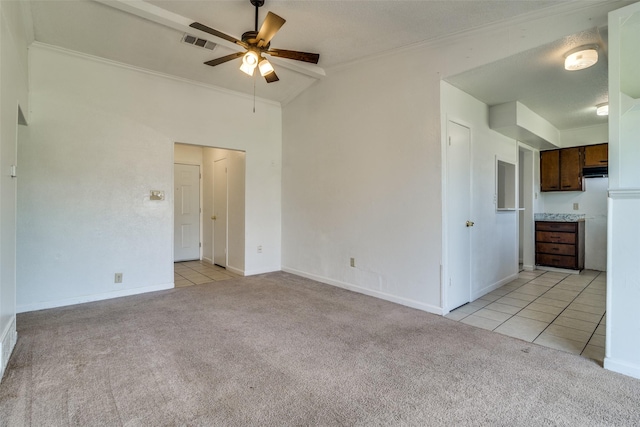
{"x": 576, "y": 206}
{"x": 156, "y": 195}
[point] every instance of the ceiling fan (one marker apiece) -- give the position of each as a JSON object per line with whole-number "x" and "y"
{"x": 256, "y": 43}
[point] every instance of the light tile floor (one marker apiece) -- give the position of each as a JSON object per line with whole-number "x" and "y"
{"x": 557, "y": 310}
{"x": 189, "y": 273}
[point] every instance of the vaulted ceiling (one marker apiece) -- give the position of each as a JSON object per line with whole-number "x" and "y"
{"x": 149, "y": 35}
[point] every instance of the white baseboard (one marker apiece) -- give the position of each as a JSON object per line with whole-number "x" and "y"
{"x": 477, "y": 294}
{"x": 8, "y": 341}
{"x": 210, "y": 261}
{"x": 528, "y": 267}
{"x": 261, "y": 271}
{"x": 625, "y": 368}
{"x": 90, "y": 298}
{"x": 359, "y": 289}
{"x": 235, "y": 270}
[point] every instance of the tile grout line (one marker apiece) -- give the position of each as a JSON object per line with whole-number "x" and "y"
{"x": 592, "y": 333}
{"x": 539, "y": 296}
{"x": 563, "y": 310}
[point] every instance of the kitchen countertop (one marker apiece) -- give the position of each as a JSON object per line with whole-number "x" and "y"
{"x": 558, "y": 217}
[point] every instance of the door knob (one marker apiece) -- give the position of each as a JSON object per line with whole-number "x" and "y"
{"x": 213, "y": 218}
{"x": 470, "y": 223}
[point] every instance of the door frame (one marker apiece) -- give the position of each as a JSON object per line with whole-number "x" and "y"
{"x": 527, "y": 199}
{"x": 226, "y": 225}
{"x": 444, "y": 266}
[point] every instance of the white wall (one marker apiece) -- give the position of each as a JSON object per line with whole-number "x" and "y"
{"x": 102, "y": 137}
{"x": 13, "y": 88}
{"x": 593, "y": 204}
{"x": 587, "y": 135}
{"x": 361, "y": 175}
{"x": 494, "y": 239}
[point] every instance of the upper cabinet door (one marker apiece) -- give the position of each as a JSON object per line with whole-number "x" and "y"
{"x": 596, "y": 155}
{"x": 550, "y": 170}
{"x": 571, "y": 169}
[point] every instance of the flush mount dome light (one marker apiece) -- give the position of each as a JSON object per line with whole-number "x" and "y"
{"x": 602, "y": 109}
{"x": 581, "y": 58}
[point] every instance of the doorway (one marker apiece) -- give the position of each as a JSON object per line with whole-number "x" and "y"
{"x": 526, "y": 199}
{"x": 222, "y": 238}
{"x": 458, "y": 205}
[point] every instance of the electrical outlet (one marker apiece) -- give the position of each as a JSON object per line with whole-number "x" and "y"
{"x": 259, "y": 249}
{"x": 352, "y": 262}
{"x": 118, "y": 278}
{"x": 576, "y": 207}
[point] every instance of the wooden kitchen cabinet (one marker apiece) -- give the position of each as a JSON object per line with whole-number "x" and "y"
{"x": 561, "y": 170}
{"x": 550, "y": 170}
{"x": 596, "y": 155}
{"x": 571, "y": 169}
{"x": 560, "y": 244}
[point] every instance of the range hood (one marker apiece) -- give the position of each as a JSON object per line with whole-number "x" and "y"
{"x": 595, "y": 172}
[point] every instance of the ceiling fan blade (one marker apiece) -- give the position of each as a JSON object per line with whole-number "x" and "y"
{"x": 202, "y": 27}
{"x": 269, "y": 28}
{"x": 271, "y": 77}
{"x": 292, "y": 54}
{"x": 224, "y": 59}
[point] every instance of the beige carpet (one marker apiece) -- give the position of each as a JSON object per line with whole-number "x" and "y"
{"x": 278, "y": 350}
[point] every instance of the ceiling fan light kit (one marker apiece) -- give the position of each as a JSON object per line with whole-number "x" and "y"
{"x": 249, "y": 62}
{"x": 265, "y": 67}
{"x": 581, "y": 58}
{"x": 257, "y": 43}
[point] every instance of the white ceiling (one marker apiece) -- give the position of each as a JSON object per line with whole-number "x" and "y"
{"x": 537, "y": 79}
{"x": 149, "y": 35}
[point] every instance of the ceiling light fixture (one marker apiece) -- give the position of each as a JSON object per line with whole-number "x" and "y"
{"x": 265, "y": 67}
{"x": 249, "y": 62}
{"x": 602, "y": 109}
{"x": 581, "y": 58}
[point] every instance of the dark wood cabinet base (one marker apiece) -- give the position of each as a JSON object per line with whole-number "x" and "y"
{"x": 560, "y": 244}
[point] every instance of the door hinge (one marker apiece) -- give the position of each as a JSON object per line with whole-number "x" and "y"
{"x": 200, "y": 244}
{"x": 449, "y": 140}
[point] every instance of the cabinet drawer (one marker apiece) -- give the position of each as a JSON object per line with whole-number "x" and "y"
{"x": 555, "y": 249}
{"x": 560, "y": 261}
{"x": 556, "y": 237}
{"x": 556, "y": 226}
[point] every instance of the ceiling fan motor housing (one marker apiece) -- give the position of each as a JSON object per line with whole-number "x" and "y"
{"x": 257, "y": 3}
{"x": 251, "y": 38}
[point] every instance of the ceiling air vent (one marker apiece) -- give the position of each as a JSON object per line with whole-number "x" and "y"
{"x": 196, "y": 41}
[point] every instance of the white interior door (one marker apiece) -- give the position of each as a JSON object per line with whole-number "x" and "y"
{"x": 459, "y": 222}
{"x": 220, "y": 212}
{"x": 186, "y": 245}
